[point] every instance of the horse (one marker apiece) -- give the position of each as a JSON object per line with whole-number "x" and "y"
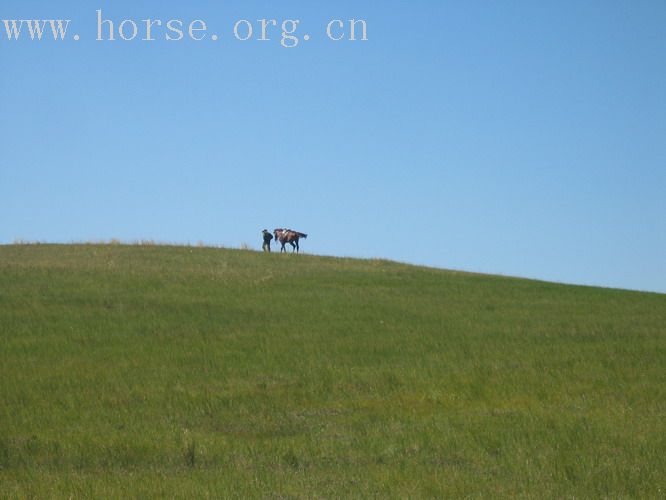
{"x": 285, "y": 236}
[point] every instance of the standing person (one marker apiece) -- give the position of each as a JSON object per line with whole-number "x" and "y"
{"x": 267, "y": 240}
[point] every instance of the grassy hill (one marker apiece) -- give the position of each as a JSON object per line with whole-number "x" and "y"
{"x": 154, "y": 370}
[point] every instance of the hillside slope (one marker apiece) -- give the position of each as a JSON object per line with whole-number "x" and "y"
{"x": 151, "y": 370}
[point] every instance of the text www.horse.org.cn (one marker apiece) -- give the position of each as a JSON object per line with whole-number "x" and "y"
{"x": 286, "y": 32}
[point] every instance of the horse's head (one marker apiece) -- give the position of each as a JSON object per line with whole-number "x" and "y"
{"x": 277, "y": 233}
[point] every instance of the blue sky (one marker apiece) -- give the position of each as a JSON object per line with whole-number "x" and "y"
{"x": 518, "y": 138}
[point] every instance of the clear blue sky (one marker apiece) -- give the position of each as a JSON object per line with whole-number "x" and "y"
{"x": 520, "y": 138}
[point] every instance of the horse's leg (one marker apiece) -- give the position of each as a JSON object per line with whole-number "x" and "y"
{"x": 298, "y": 250}
{"x": 293, "y": 247}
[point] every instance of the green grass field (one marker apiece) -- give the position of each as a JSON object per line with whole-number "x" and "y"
{"x": 199, "y": 372}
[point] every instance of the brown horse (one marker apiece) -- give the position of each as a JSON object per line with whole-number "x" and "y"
{"x": 285, "y": 236}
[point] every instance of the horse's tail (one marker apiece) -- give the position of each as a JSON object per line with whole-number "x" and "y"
{"x": 303, "y": 235}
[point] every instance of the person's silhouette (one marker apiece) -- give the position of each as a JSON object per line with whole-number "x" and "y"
{"x": 267, "y": 240}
